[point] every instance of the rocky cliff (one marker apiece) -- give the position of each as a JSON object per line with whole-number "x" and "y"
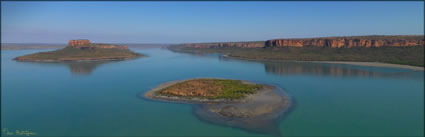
{"x": 79, "y": 42}
{"x": 334, "y": 42}
{"x": 357, "y": 41}
{"x": 85, "y": 44}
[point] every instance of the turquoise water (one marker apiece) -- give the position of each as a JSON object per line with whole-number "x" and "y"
{"x": 87, "y": 99}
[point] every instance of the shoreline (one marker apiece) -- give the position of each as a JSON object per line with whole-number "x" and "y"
{"x": 80, "y": 59}
{"x": 371, "y": 64}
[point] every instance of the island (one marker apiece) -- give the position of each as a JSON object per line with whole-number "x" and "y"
{"x": 235, "y": 103}
{"x": 83, "y": 50}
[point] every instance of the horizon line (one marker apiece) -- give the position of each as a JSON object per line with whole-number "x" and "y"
{"x": 220, "y": 41}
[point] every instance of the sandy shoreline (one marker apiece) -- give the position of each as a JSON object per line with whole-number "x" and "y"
{"x": 372, "y": 64}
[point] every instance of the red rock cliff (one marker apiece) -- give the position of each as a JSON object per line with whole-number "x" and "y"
{"x": 357, "y": 41}
{"x": 85, "y": 44}
{"x": 75, "y": 43}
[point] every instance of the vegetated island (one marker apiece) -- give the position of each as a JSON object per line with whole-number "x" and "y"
{"x": 397, "y": 49}
{"x": 235, "y": 103}
{"x": 83, "y": 50}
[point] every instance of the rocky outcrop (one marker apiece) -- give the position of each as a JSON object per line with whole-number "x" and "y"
{"x": 85, "y": 44}
{"x": 359, "y": 41}
{"x": 79, "y": 42}
{"x": 334, "y": 42}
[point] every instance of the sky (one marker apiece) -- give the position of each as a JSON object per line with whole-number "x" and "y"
{"x": 207, "y": 21}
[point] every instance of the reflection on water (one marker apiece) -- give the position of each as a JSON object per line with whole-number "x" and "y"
{"x": 332, "y": 100}
{"x": 84, "y": 68}
{"x": 76, "y": 67}
{"x": 288, "y": 68}
{"x": 335, "y": 70}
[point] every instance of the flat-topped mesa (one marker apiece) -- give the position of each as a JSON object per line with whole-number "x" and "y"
{"x": 86, "y": 44}
{"x": 79, "y": 50}
{"x": 355, "y": 41}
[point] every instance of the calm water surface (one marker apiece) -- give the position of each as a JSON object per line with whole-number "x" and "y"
{"x": 101, "y": 98}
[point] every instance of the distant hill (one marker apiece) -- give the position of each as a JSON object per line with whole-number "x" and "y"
{"x": 334, "y": 42}
{"x": 405, "y": 50}
{"x": 144, "y": 45}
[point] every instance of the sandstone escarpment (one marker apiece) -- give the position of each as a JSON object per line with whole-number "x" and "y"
{"x": 333, "y": 42}
{"x": 359, "y": 41}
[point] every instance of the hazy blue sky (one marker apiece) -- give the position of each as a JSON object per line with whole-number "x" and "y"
{"x": 176, "y": 22}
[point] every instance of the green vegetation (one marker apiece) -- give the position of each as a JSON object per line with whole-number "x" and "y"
{"x": 412, "y": 55}
{"x": 210, "y": 89}
{"x": 70, "y": 53}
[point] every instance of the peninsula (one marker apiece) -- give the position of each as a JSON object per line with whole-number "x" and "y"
{"x": 393, "y": 49}
{"x": 235, "y": 103}
{"x": 83, "y": 50}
